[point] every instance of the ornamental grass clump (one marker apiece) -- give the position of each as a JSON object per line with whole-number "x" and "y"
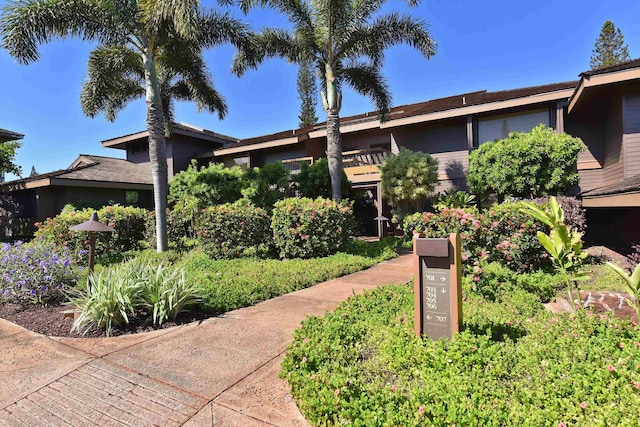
{"x": 136, "y": 290}
{"x": 35, "y": 273}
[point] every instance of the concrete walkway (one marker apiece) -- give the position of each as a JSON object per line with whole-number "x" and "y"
{"x": 222, "y": 371}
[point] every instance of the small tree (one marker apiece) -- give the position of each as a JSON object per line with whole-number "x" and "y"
{"x": 528, "y": 165}
{"x": 609, "y": 48}
{"x": 308, "y": 95}
{"x": 266, "y": 185}
{"x": 407, "y": 180}
{"x": 7, "y": 154}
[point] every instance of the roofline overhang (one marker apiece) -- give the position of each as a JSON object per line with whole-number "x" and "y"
{"x": 121, "y": 141}
{"x": 7, "y": 135}
{"x": 65, "y": 182}
{"x": 628, "y": 199}
{"x": 422, "y": 118}
{"x": 600, "y": 80}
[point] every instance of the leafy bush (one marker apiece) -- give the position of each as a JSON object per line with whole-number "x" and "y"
{"x": 35, "y": 273}
{"x": 306, "y": 228}
{"x": 514, "y": 364}
{"x": 265, "y": 186}
{"x": 501, "y": 234}
{"x": 407, "y": 180}
{"x": 314, "y": 181}
{"x": 453, "y": 198}
{"x": 538, "y": 163}
{"x": 193, "y": 189}
{"x": 130, "y": 223}
{"x": 234, "y": 230}
{"x": 230, "y": 284}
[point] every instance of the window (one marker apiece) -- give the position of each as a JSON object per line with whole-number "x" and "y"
{"x": 243, "y": 162}
{"x": 132, "y": 198}
{"x": 499, "y": 127}
{"x": 140, "y": 147}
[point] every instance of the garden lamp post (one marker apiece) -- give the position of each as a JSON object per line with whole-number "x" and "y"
{"x": 381, "y": 219}
{"x": 93, "y": 226}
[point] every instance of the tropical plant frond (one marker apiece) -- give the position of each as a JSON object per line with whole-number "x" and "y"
{"x": 387, "y": 31}
{"x": 216, "y": 29}
{"x": 25, "y": 24}
{"x": 183, "y": 15}
{"x": 115, "y": 76}
{"x": 367, "y": 80}
{"x": 271, "y": 42}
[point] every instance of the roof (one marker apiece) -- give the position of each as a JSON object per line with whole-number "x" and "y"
{"x": 90, "y": 170}
{"x": 216, "y": 139}
{"x": 627, "y": 185}
{"x": 625, "y": 65}
{"x": 8, "y": 135}
{"x": 455, "y": 106}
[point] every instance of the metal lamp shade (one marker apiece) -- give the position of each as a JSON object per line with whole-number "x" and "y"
{"x": 92, "y": 225}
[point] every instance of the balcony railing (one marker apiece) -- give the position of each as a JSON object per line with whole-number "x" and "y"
{"x": 364, "y": 165}
{"x": 293, "y": 165}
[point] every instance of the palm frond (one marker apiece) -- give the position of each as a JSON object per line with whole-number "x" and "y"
{"x": 271, "y": 42}
{"x": 182, "y": 14}
{"x": 115, "y": 76}
{"x": 367, "y": 80}
{"x": 25, "y": 24}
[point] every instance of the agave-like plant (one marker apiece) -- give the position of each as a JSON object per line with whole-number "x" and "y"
{"x": 632, "y": 281}
{"x": 563, "y": 244}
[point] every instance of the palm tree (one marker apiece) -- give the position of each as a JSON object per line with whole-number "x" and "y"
{"x": 150, "y": 48}
{"x": 346, "y": 44}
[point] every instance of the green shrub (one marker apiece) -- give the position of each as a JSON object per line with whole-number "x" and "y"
{"x": 130, "y": 223}
{"x": 411, "y": 223}
{"x": 234, "y": 230}
{"x": 306, "y": 228}
{"x": 231, "y": 284}
{"x": 194, "y": 189}
{"x": 314, "y": 181}
{"x": 500, "y": 234}
{"x": 534, "y": 164}
{"x": 37, "y": 272}
{"x": 514, "y": 364}
{"x": 407, "y": 180}
{"x": 266, "y": 185}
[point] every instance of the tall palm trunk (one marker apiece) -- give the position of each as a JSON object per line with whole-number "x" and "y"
{"x": 157, "y": 151}
{"x": 334, "y": 153}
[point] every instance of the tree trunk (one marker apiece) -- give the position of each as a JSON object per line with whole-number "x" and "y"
{"x": 157, "y": 151}
{"x": 334, "y": 153}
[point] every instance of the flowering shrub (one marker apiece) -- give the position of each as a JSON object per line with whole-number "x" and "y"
{"x": 306, "y": 228}
{"x": 501, "y": 233}
{"x": 34, "y": 273}
{"x": 233, "y": 230}
{"x": 129, "y": 222}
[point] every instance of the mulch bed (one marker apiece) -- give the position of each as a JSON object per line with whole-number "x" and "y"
{"x": 50, "y": 321}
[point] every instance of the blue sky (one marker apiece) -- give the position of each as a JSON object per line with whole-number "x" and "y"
{"x": 489, "y": 44}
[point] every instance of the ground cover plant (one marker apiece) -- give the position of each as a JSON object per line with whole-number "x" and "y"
{"x": 513, "y": 364}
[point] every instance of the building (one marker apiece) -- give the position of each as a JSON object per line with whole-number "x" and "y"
{"x": 5, "y": 136}
{"x": 602, "y": 108}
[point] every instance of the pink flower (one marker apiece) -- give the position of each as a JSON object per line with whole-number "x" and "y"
{"x": 393, "y": 388}
{"x": 421, "y": 410}
{"x": 473, "y": 348}
{"x": 464, "y": 256}
{"x": 304, "y": 360}
{"x": 636, "y": 385}
{"x": 562, "y": 424}
{"x": 583, "y": 405}
{"x": 636, "y": 343}
{"x": 337, "y": 392}
{"x": 620, "y": 345}
{"x": 611, "y": 368}
{"x": 313, "y": 376}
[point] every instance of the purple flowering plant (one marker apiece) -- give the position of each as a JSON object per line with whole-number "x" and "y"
{"x": 36, "y": 272}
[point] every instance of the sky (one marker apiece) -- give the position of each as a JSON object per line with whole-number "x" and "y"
{"x": 482, "y": 45}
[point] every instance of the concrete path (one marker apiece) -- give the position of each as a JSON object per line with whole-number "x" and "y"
{"x": 222, "y": 371}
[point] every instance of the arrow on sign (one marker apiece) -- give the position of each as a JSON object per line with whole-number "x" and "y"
{"x": 444, "y": 291}
{"x": 442, "y": 278}
{"x": 428, "y": 317}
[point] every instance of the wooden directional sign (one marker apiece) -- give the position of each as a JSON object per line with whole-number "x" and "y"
{"x": 437, "y": 287}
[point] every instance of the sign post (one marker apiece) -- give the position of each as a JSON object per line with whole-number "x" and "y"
{"x": 437, "y": 286}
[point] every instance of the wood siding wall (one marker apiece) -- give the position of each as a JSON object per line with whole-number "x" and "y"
{"x": 445, "y": 141}
{"x": 631, "y": 120}
{"x": 613, "y": 170}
